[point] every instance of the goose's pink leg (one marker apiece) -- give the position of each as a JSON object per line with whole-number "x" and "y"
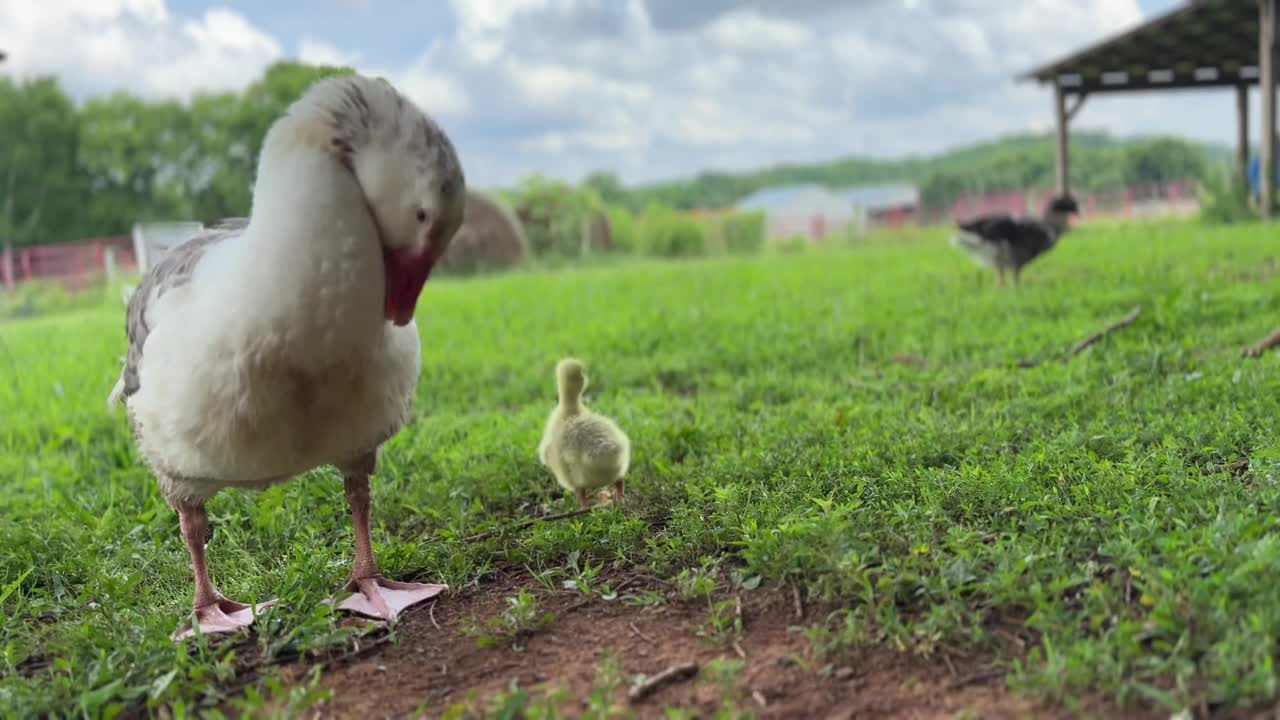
{"x": 213, "y": 612}
{"x": 375, "y": 595}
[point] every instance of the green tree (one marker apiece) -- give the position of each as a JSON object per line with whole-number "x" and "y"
{"x": 40, "y": 188}
{"x": 130, "y": 155}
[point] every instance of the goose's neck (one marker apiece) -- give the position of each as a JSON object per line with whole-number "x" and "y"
{"x": 312, "y": 258}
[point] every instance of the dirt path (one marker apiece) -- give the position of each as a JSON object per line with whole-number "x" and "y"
{"x": 432, "y": 668}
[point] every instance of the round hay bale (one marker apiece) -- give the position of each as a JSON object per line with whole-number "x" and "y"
{"x": 491, "y": 237}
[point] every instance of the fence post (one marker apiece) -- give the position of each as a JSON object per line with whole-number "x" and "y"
{"x": 108, "y": 263}
{"x": 6, "y": 266}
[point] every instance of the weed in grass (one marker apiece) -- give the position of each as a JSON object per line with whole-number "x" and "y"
{"x": 697, "y": 583}
{"x": 724, "y": 622}
{"x": 280, "y": 701}
{"x": 842, "y": 631}
{"x": 515, "y": 703}
{"x": 644, "y": 598}
{"x": 722, "y": 674}
{"x": 602, "y": 701}
{"x": 581, "y": 578}
{"x": 514, "y": 624}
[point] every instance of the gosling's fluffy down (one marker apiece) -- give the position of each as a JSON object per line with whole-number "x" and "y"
{"x": 585, "y": 451}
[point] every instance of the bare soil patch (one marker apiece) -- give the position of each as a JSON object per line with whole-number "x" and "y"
{"x": 435, "y": 664}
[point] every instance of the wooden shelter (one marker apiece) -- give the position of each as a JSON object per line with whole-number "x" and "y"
{"x": 1200, "y": 44}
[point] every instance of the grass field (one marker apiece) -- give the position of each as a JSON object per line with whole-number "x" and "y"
{"x": 1097, "y": 502}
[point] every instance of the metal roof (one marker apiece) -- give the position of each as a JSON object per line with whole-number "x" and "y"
{"x": 1202, "y": 43}
{"x": 774, "y": 196}
{"x": 870, "y": 197}
{"x": 875, "y": 197}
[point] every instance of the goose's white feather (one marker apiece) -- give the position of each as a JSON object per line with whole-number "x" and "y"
{"x": 275, "y": 357}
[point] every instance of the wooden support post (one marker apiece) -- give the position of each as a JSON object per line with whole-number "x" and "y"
{"x": 1267, "y": 79}
{"x": 1242, "y": 135}
{"x": 1060, "y": 154}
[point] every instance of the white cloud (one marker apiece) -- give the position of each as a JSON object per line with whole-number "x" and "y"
{"x": 569, "y": 86}
{"x": 749, "y": 31}
{"x": 483, "y": 24}
{"x": 430, "y": 87}
{"x": 318, "y": 52}
{"x": 136, "y": 44}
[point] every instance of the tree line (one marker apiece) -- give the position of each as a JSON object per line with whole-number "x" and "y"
{"x": 1010, "y": 163}
{"x": 69, "y": 172}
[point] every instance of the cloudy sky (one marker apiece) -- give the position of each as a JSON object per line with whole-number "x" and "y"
{"x": 650, "y": 89}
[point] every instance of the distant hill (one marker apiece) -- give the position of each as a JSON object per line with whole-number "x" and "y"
{"x": 1011, "y": 162}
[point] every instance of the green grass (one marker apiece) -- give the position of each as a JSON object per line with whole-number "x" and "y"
{"x": 773, "y": 435}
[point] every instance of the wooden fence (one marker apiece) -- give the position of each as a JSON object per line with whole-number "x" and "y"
{"x": 74, "y": 264}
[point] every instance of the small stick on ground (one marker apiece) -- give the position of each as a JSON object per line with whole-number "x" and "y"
{"x": 950, "y": 666}
{"x": 530, "y": 522}
{"x": 640, "y": 634}
{"x": 675, "y": 673}
{"x": 978, "y": 677}
{"x": 738, "y": 649}
{"x": 1095, "y": 337}
{"x": 1263, "y": 345}
{"x": 431, "y": 612}
{"x": 759, "y": 697}
{"x": 795, "y": 598}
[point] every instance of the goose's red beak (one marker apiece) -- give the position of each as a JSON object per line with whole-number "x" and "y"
{"x": 407, "y": 271}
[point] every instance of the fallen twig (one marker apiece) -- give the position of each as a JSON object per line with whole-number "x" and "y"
{"x": 979, "y": 677}
{"x": 581, "y": 603}
{"x": 431, "y": 612}
{"x": 1095, "y": 337}
{"x": 795, "y": 598}
{"x": 759, "y": 697}
{"x": 639, "y": 634}
{"x": 1263, "y": 345}
{"x": 675, "y": 673}
{"x": 530, "y": 522}
{"x": 738, "y": 649}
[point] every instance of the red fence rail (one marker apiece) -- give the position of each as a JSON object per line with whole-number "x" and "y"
{"x": 1176, "y": 197}
{"x": 74, "y": 264}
